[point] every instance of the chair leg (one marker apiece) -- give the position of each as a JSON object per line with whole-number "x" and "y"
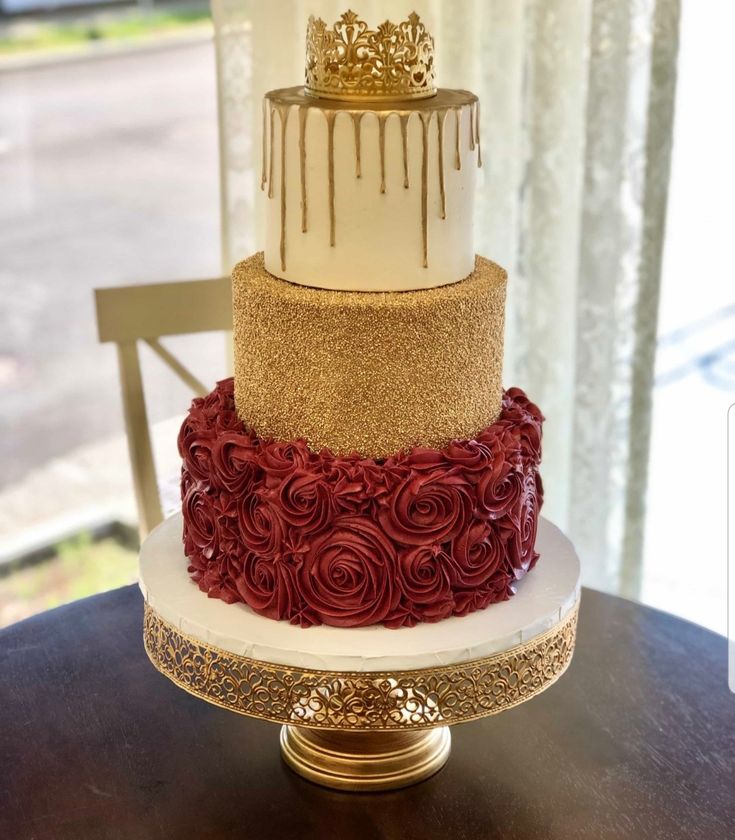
{"x": 139, "y": 440}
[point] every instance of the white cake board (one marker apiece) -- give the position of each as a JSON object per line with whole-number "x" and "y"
{"x": 544, "y": 598}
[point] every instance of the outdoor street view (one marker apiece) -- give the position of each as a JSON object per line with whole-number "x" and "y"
{"x": 109, "y": 172}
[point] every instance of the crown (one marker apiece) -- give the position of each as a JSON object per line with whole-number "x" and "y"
{"x": 351, "y": 62}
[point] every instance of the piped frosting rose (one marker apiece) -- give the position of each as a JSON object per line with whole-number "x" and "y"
{"x": 267, "y": 586}
{"x": 279, "y": 458}
{"x": 319, "y": 538}
{"x": 201, "y": 524}
{"x": 426, "y": 507}
{"x": 423, "y": 577}
{"x": 352, "y": 485}
{"x": 195, "y": 448}
{"x": 472, "y": 456}
{"x": 235, "y": 462}
{"x": 500, "y": 488}
{"x": 348, "y": 574}
{"x": 523, "y": 419}
{"x": 529, "y": 521}
{"x": 304, "y": 500}
{"x": 476, "y": 555}
{"x": 261, "y": 526}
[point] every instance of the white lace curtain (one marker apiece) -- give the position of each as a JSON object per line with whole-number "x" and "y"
{"x": 577, "y": 109}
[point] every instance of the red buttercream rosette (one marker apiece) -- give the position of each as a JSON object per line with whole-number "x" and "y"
{"x": 316, "y": 538}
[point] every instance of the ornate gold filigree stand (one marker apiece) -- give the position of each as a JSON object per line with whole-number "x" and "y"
{"x": 363, "y": 731}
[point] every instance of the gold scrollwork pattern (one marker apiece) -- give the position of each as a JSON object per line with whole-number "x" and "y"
{"x": 395, "y": 700}
{"x": 350, "y": 61}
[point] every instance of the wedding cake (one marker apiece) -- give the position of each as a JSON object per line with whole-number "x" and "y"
{"x": 364, "y": 465}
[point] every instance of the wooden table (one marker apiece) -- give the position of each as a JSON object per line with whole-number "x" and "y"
{"x": 636, "y": 741}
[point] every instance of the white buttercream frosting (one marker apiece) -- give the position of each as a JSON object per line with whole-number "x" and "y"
{"x": 544, "y": 598}
{"x": 381, "y": 226}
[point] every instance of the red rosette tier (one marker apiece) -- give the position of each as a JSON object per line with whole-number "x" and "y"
{"x": 316, "y": 538}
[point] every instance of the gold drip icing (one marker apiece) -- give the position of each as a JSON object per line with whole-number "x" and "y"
{"x": 457, "y": 127}
{"x": 303, "y": 113}
{"x": 425, "y": 120}
{"x": 263, "y": 173}
{"x": 270, "y": 153}
{"x": 477, "y": 132}
{"x": 356, "y": 120}
{"x": 440, "y": 105}
{"x": 440, "y": 118}
{"x": 404, "y": 144}
{"x": 381, "y": 144}
{"x": 283, "y": 112}
{"x": 330, "y": 115}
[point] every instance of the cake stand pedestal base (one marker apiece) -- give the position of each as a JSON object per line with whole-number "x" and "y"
{"x": 362, "y": 708}
{"x": 365, "y": 761}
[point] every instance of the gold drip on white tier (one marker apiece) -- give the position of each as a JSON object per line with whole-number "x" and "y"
{"x": 344, "y": 176}
{"x": 363, "y": 708}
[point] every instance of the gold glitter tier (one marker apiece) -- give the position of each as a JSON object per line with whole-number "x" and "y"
{"x": 368, "y": 372}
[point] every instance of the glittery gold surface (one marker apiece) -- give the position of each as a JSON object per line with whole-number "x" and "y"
{"x": 371, "y": 372}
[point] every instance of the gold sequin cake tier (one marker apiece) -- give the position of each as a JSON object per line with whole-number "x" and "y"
{"x": 368, "y": 372}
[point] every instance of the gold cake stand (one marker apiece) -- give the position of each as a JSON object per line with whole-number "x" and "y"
{"x": 362, "y": 731}
{"x": 376, "y": 728}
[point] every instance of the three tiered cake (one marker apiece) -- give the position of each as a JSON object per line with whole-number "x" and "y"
{"x": 365, "y": 465}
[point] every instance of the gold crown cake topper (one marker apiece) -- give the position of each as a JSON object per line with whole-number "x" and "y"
{"x": 351, "y": 62}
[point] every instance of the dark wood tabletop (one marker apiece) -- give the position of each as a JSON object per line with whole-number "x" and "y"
{"x": 637, "y": 740}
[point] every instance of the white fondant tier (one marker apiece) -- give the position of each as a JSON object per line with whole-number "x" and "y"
{"x": 363, "y": 197}
{"x": 544, "y": 598}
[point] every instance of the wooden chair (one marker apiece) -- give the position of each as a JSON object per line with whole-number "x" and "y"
{"x": 129, "y": 314}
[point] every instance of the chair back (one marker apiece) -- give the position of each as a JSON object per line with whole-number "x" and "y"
{"x": 148, "y": 313}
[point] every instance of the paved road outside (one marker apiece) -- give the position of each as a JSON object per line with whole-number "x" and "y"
{"x": 109, "y": 176}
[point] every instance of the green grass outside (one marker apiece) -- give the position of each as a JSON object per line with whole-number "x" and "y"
{"x": 48, "y": 36}
{"x": 79, "y": 567}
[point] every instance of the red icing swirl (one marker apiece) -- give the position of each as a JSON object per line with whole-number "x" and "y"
{"x": 267, "y": 585}
{"x": 426, "y": 506}
{"x": 319, "y": 538}
{"x": 347, "y": 576}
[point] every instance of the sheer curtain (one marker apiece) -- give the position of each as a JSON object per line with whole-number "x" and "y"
{"x": 577, "y": 109}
